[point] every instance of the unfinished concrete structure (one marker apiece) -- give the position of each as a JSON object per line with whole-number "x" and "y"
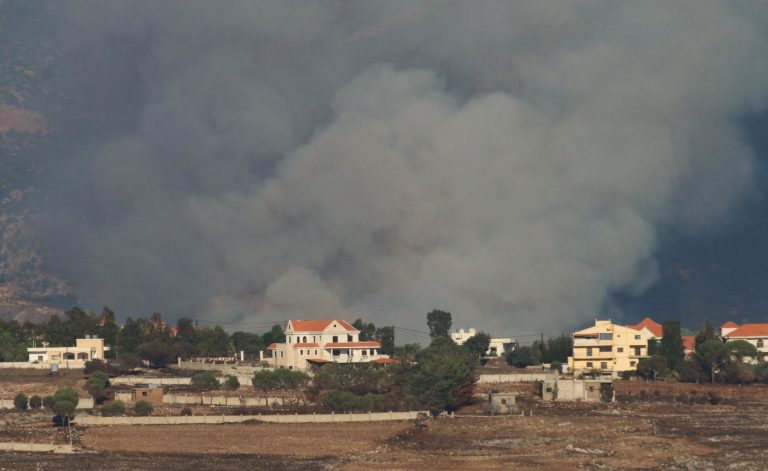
{"x": 501, "y": 402}
{"x": 588, "y": 390}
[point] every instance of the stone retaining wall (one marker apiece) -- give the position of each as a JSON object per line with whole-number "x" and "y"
{"x": 35, "y": 447}
{"x": 517, "y": 378}
{"x": 232, "y": 419}
{"x": 83, "y": 403}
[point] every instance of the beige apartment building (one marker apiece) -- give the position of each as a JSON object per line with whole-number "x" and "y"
{"x": 314, "y": 342}
{"x": 608, "y": 347}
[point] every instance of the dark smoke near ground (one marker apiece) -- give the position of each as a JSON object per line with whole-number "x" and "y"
{"x": 512, "y": 162}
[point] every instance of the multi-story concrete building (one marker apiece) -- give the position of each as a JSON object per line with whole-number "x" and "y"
{"x": 497, "y": 347}
{"x": 309, "y": 342}
{"x": 608, "y": 347}
{"x": 756, "y": 334}
{"x": 89, "y": 348}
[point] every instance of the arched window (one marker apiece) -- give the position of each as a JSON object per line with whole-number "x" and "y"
{"x": 304, "y": 339}
{"x": 760, "y": 343}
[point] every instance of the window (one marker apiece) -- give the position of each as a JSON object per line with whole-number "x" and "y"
{"x": 335, "y": 338}
{"x": 760, "y": 343}
{"x": 637, "y": 337}
{"x": 620, "y": 349}
{"x": 289, "y": 339}
{"x": 144, "y": 393}
{"x": 301, "y": 352}
{"x": 605, "y": 349}
{"x": 589, "y": 351}
{"x": 632, "y": 363}
{"x": 589, "y": 364}
{"x": 365, "y": 352}
{"x": 315, "y": 352}
{"x": 304, "y": 339}
{"x": 504, "y": 402}
{"x": 349, "y": 338}
{"x": 638, "y": 351}
{"x": 604, "y": 365}
{"x": 336, "y": 353}
{"x": 605, "y": 336}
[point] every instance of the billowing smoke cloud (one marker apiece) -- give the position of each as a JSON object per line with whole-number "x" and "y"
{"x": 512, "y": 162}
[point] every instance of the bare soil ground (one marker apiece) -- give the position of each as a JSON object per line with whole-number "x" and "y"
{"x": 643, "y": 430}
{"x": 40, "y": 382}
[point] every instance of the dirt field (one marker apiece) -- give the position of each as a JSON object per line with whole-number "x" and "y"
{"x": 651, "y": 426}
{"x": 41, "y": 382}
{"x": 286, "y": 440}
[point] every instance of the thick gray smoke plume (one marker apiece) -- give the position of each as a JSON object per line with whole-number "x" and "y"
{"x": 512, "y": 162}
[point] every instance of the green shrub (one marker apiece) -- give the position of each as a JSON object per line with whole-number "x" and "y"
{"x": 20, "y": 401}
{"x": 64, "y": 407}
{"x": 714, "y": 399}
{"x": 345, "y": 401}
{"x": 142, "y": 408}
{"x": 96, "y": 385}
{"x": 48, "y": 402}
{"x": 35, "y": 402}
{"x": 65, "y": 401}
{"x": 204, "y": 381}
{"x": 232, "y": 383}
{"x": 113, "y": 408}
{"x": 67, "y": 394}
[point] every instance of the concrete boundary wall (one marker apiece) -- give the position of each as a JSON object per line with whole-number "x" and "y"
{"x": 23, "y": 365}
{"x": 233, "y": 419}
{"x": 517, "y": 378}
{"x": 83, "y": 403}
{"x": 227, "y": 400}
{"x": 35, "y": 447}
{"x": 134, "y": 380}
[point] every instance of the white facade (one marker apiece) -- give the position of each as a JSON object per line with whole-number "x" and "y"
{"x": 310, "y": 342}
{"x": 496, "y": 348}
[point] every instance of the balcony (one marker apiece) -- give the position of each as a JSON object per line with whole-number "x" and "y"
{"x": 577, "y": 342}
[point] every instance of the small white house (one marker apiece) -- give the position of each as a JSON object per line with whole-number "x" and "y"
{"x": 756, "y": 334}
{"x": 496, "y": 348}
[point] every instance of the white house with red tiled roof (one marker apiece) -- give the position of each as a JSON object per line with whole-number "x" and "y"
{"x": 652, "y": 329}
{"x": 316, "y": 342}
{"x": 756, "y": 334}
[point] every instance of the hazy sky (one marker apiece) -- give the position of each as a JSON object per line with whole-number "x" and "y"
{"x": 516, "y": 163}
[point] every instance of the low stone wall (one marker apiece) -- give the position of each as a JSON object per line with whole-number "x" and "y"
{"x": 232, "y": 419}
{"x": 516, "y": 378}
{"x": 83, "y": 403}
{"x": 227, "y": 400}
{"x": 67, "y": 365}
{"x": 134, "y": 380}
{"x": 146, "y": 380}
{"x": 35, "y": 447}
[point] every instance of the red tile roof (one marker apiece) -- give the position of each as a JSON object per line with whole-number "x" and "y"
{"x": 729, "y": 324}
{"x": 749, "y": 330}
{"x": 319, "y": 325}
{"x": 649, "y": 324}
{"x": 369, "y": 344}
{"x": 305, "y": 345}
{"x": 689, "y": 342}
{"x": 272, "y": 346}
